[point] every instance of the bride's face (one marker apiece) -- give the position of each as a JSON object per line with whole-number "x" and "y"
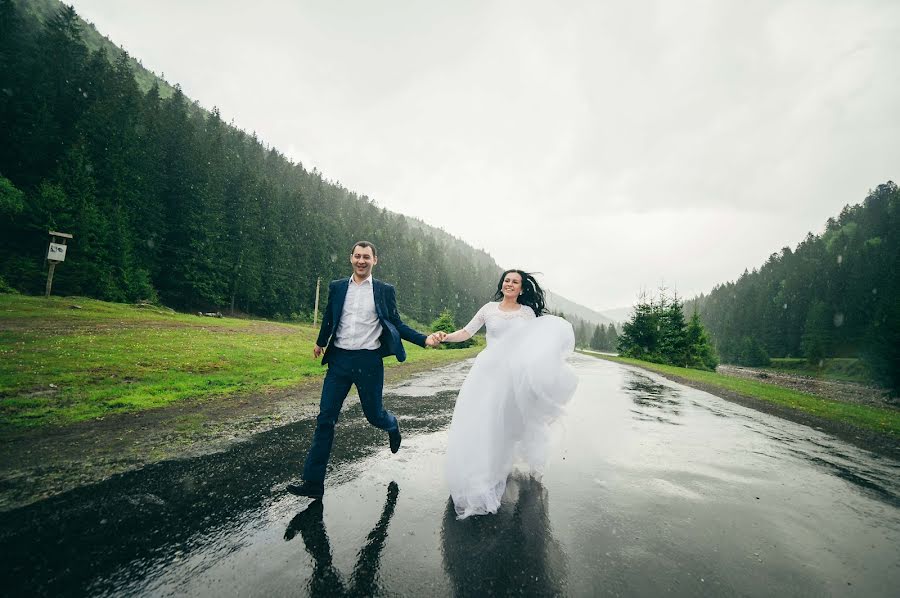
{"x": 512, "y": 285}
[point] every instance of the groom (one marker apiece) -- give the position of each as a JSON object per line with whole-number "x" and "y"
{"x": 360, "y": 327}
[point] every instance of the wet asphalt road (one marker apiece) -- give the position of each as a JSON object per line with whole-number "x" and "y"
{"x": 652, "y": 488}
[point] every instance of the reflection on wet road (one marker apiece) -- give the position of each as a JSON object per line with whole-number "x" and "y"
{"x": 511, "y": 552}
{"x": 325, "y": 579}
{"x": 652, "y": 488}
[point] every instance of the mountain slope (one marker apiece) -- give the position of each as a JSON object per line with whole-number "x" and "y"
{"x": 558, "y": 303}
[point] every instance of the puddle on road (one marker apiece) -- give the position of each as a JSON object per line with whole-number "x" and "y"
{"x": 660, "y": 401}
{"x": 656, "y": 402}
{"x": 515, "y": 548}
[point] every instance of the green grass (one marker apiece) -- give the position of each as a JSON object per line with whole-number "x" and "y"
{"x": 836, "y": 368}
{"x": 60, "y": 365}
{"x": 884, "y": 421}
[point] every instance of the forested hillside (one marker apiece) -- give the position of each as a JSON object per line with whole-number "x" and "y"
{"x": 835, "y": 295}
{"x": 167, "y": 202}
{"x": 46, "y": 10}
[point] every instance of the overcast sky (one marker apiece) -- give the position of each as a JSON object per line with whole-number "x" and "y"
{"x": 609, "y": 145}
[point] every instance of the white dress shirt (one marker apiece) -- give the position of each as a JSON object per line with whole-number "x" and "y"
{"x": 359, "y": 327}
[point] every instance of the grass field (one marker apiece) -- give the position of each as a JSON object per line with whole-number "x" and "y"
{"x": 884, "y": 421}
{"x": 60, "y": 364}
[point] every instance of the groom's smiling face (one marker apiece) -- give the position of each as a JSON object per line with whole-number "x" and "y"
{"x": 362, "y": 259}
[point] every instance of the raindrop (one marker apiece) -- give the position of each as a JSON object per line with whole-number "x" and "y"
{"x": 874, "y": 291}
{"x": 333, "y": 257}
{"x": 84, "y": 93}
{"x": 840, "y": 259}
{"x": 838, "y": 319}
{"x": 150, "y": 243}
{"x": 784, "y": 306}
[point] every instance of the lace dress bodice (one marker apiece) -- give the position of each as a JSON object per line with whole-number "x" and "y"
{"x": 497, "y": 321}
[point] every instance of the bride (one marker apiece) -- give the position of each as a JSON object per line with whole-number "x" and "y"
{"x": 516, "y": 388}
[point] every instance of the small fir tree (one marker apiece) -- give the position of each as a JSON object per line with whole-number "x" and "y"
{"x": 446, "y": 323}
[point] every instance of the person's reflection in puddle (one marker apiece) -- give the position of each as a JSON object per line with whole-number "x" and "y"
{"x": 326, "y": 580}
{"x": 510, "y": 552}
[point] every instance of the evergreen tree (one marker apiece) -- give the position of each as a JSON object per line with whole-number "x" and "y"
{"x": 446, "y": 323}
{"x": 699, "y": 352}
{"x": 612, "y": 338}
{"x": 752, "y": 353}
{"x": 582, "y": 334}
{"x": 672, "y": 343}
{"x": 12, "y": 201}
{"x": 598, "y": 339}
{"x": 640, "y": 335}
{"x": 817, "y": 333}
{"x": 657, "y": 332}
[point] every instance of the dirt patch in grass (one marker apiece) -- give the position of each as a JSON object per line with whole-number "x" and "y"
{"x": 848, "y": 392}
{"x": 38, "y": 463}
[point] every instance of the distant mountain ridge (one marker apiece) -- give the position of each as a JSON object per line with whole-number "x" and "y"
{"x": 618, "y": 314}
{"x": 558, "y": 303}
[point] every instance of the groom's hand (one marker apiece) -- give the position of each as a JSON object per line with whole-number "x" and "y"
{"x": 317, "y": 351}
{"x": 435, "y": 338}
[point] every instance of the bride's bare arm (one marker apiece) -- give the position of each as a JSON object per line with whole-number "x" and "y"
{"x": 457, "y": 337}
{"x": 465, "y": 333}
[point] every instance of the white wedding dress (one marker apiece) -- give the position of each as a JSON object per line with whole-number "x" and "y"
{"x": 516, "y": 388}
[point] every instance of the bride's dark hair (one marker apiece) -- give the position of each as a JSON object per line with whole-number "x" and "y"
{"x": 532, "y": 293}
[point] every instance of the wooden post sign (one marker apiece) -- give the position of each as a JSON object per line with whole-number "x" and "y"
{"x": 56, "y": 254}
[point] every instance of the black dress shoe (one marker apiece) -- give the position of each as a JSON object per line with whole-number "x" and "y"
{"x": 309, "y": 489}
{"x": 394, "y": 436}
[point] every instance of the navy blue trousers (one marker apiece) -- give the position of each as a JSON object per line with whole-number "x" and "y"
{"x": 346, "y": 368}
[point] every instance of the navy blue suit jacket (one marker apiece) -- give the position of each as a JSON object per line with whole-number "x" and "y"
{"x": 392, "y": 327}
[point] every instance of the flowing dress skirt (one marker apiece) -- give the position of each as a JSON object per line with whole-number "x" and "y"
{"x": 516, "y": 388}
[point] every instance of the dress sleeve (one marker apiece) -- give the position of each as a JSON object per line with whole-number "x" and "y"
{"x": 477, "y": 322}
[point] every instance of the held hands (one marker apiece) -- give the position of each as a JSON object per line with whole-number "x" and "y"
{"x": 435, "y": 338}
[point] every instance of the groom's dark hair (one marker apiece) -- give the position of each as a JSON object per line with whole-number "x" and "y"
{"x": 364, "y": 244}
